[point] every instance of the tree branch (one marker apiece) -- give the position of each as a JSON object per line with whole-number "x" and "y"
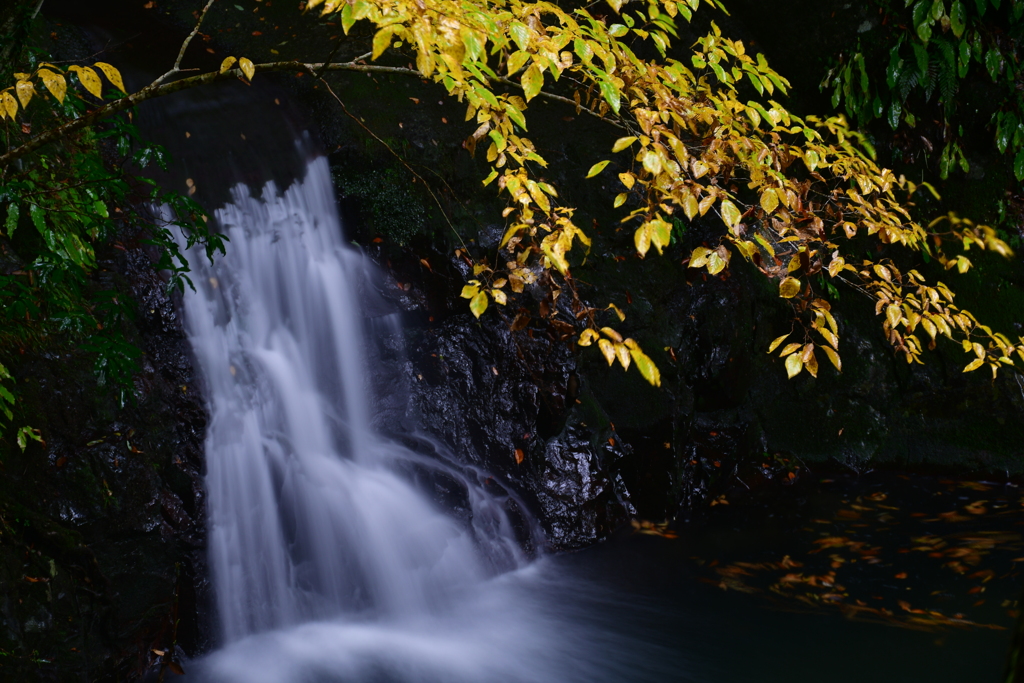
{"x": 159, "y": 89}
{"x": 176, "y": 69}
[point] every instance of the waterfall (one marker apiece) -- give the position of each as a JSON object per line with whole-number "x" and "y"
{"x": 310, "y": 516}
{"x": 330, "y": 559}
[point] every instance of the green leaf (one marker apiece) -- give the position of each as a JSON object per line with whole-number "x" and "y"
{"x": 921, "y": 54}
{"x": 958, "y": 18}
{"x": 596, "y": 168}
{"x": 1018, "y": 165}
{"x": 478, "y": 304}
{"x": 895, "y": 111}
{"x": 611, "y": 95}
{"x": 922, "y": 19}
{"x": 982, "y": 6}
{"x": 13, "y": 212}
{"x": 994, "y": 63}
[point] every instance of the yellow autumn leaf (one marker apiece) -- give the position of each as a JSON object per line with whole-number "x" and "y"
{"x": 730, "y": 214}
{"x": 974, "y": 364}
{"x": 769, "y": 200}
{"x": 834, "y": 357}
{"x": 25, "y": 92}
{"x": 778, "y": 340}
{"x": 470, "y": 291}
{"x": 789, "y": 288}
{"x": 55, "y": 83}
{"x": 588, "y": 337}
{"x": 10, "y": 105}
{"x": 893, "y": 314}
{"x": 112, "y": 74}
{"x": 623, "y": 143}
{"x": 612, "y": 334}
{"x": 89, "y": 79}
{"x": 227, "y": 64}
{"x": 622, "y": 353}
{"x": 607, "y": 349}
{"x": 249, "y": 69}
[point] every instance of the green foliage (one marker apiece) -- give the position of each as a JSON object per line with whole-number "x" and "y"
{"x": 916, "y": 65}
{"x": 62, "y": 203}
{"x": 389, "y": 201}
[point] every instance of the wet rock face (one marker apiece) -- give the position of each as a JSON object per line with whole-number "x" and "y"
{"x": 102, "y": 530}
{"x": 506, "y": 401}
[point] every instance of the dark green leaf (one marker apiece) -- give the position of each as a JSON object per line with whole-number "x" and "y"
{"x": 958, "y": 18}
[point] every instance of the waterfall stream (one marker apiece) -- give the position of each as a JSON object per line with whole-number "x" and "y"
{"x": 328, "y": 562}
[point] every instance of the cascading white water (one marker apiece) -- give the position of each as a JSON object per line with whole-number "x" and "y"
{"x": 307, "y": 517}
{"x": 328, "y": 564}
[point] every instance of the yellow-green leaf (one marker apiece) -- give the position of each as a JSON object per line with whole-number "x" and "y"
{"x": 112, "y": 74}
{"x": 532, "y": 81}
{"x": 716, "y": 264}
{"x": 381, "y": 41}
{"x": 646, "y": 366}
{"x": 789, "y": 288}
{"x": 769, "y": 200}
{"x": 249, "y": 69}
{"x": 227, "y": 64}
{"x": 788, "y": 349}
{"x": 778, "y": 340}
{"x": 478, "y": 304}
{"x": 974, "y": 364}
{"x": 730, "y": 214}
{"x": 469, "y": 291}
{"x": 834, "y": 357}
{"x": 623, "y": 143}
{"x": 596, "y": 168}
{"x": 620, "y": 199}
{"x": 794, "y": 365}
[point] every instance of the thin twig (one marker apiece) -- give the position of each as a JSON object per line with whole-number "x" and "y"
{"x": 159, "y": 89}
{"x": 400, "y": 159}
{"x": 176, "y": 69}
